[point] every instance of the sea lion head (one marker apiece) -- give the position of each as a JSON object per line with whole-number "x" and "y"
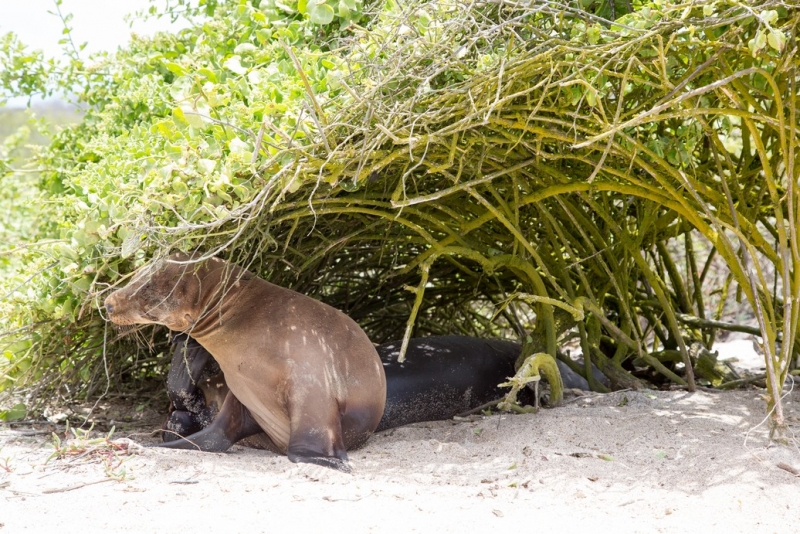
{"x": 168, "y": 291}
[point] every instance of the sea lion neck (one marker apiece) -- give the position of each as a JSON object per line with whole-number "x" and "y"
{"x": 217, "y": 298}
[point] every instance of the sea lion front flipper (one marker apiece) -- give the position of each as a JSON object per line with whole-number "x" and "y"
{"x": 185, "y": 423}
{"x": 233, "y": 423}
{"x": 180, "y": 423}
{"x": 189, "y": 413}
{"x": 316, "y": 436}
{"x": 189, "y": 362}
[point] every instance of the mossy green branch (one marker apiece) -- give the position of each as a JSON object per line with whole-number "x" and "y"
{"x": 530, "y": 371}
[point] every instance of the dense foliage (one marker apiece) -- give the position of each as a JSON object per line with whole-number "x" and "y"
{"x": 488, "y": 167}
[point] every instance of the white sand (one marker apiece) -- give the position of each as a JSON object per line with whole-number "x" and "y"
{"x": 658, "y": 462}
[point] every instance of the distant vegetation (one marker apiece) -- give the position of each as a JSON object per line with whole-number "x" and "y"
{"x": 23, "y": 133}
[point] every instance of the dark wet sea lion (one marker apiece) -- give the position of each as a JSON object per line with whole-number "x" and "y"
{"x": 298, "y": 369}
{"x": 441, "y": 377}
{"x": 193, "y": 375}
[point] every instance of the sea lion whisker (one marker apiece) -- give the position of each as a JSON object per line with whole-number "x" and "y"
{"x": 125, "y": 329}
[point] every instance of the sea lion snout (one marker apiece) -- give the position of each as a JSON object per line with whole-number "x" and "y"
{"x": 118, "y": 311}
{"x": 156, "y": 294}
{"x": 112, "y": 307}
{"x": 122, "y": 311}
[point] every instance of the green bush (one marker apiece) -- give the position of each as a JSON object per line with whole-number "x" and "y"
{"x": 491, "y": 168}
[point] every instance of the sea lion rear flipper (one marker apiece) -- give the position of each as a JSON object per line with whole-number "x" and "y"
{"x": 301, "y": 454}
{"x": 233, "y": 423}
{"x": 316, "y": 436}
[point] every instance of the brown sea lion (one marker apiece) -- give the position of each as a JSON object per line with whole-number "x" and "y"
{"x": 298, "y": 369}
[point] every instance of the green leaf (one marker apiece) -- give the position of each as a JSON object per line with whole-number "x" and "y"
{"x": 423, "y": 19}
{"x": 757, "y": 43}
{"x": 776, "y": 40}
{"x": 593, "y": 34}
{"x": 320, "y": 14}
{"x": 245, "y": 49}
{"x": 179, "y": 186}
{"x": 209, "y": 74}
{"x": 263, "y": 35}
{"x": 769, "y": 17}
{"x": 591, "y": 96}
{"x": 175, "y": 68}
{"x": 82, "y": 284}
{"x": 234, "y": 64}
{"x": 177, "y": 114}
{"x": 15, "y": 413}
{"x": 237, "y": 146}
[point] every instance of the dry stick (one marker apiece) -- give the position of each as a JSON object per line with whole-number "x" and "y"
{"x": 641, "y": 119}
{"x": 30, "y": 433}
{"x": 259, "y": 139}
{"x": 27, "y": 422}
{"x": 622, "y": 86}
{"x": 622, "y": 337}
{"x": 778, "y": 420}
{"x": 31, "y": 277}
{"x": 700, "y": 322}
{"x": 462, "y": 187}
{"x": 584, "y": 339}
{"x": 420, "y": 293}
{"x": 482, "y": 407}
{"x": 248, "y": 133}
{"x": 678, "y": 286}
{"x": 318, "y": 116}
{"x": 742, "y": 382}
{"x": 30, "y": 245}
{"x": 697, "y": 290}
{"x": 789, "y": 468}
{"x": 653, "y": 280}
{"x": 779, "y": 423}
{"x": 754, "y": 296}
{"x": 536, "y": 280}
{"x": 794, "y": 210}
{"x": 670, "y": 316}
{"x": 78, "y": 486}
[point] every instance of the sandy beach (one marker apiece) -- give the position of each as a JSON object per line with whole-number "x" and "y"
{"x": 630, "y": 461}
